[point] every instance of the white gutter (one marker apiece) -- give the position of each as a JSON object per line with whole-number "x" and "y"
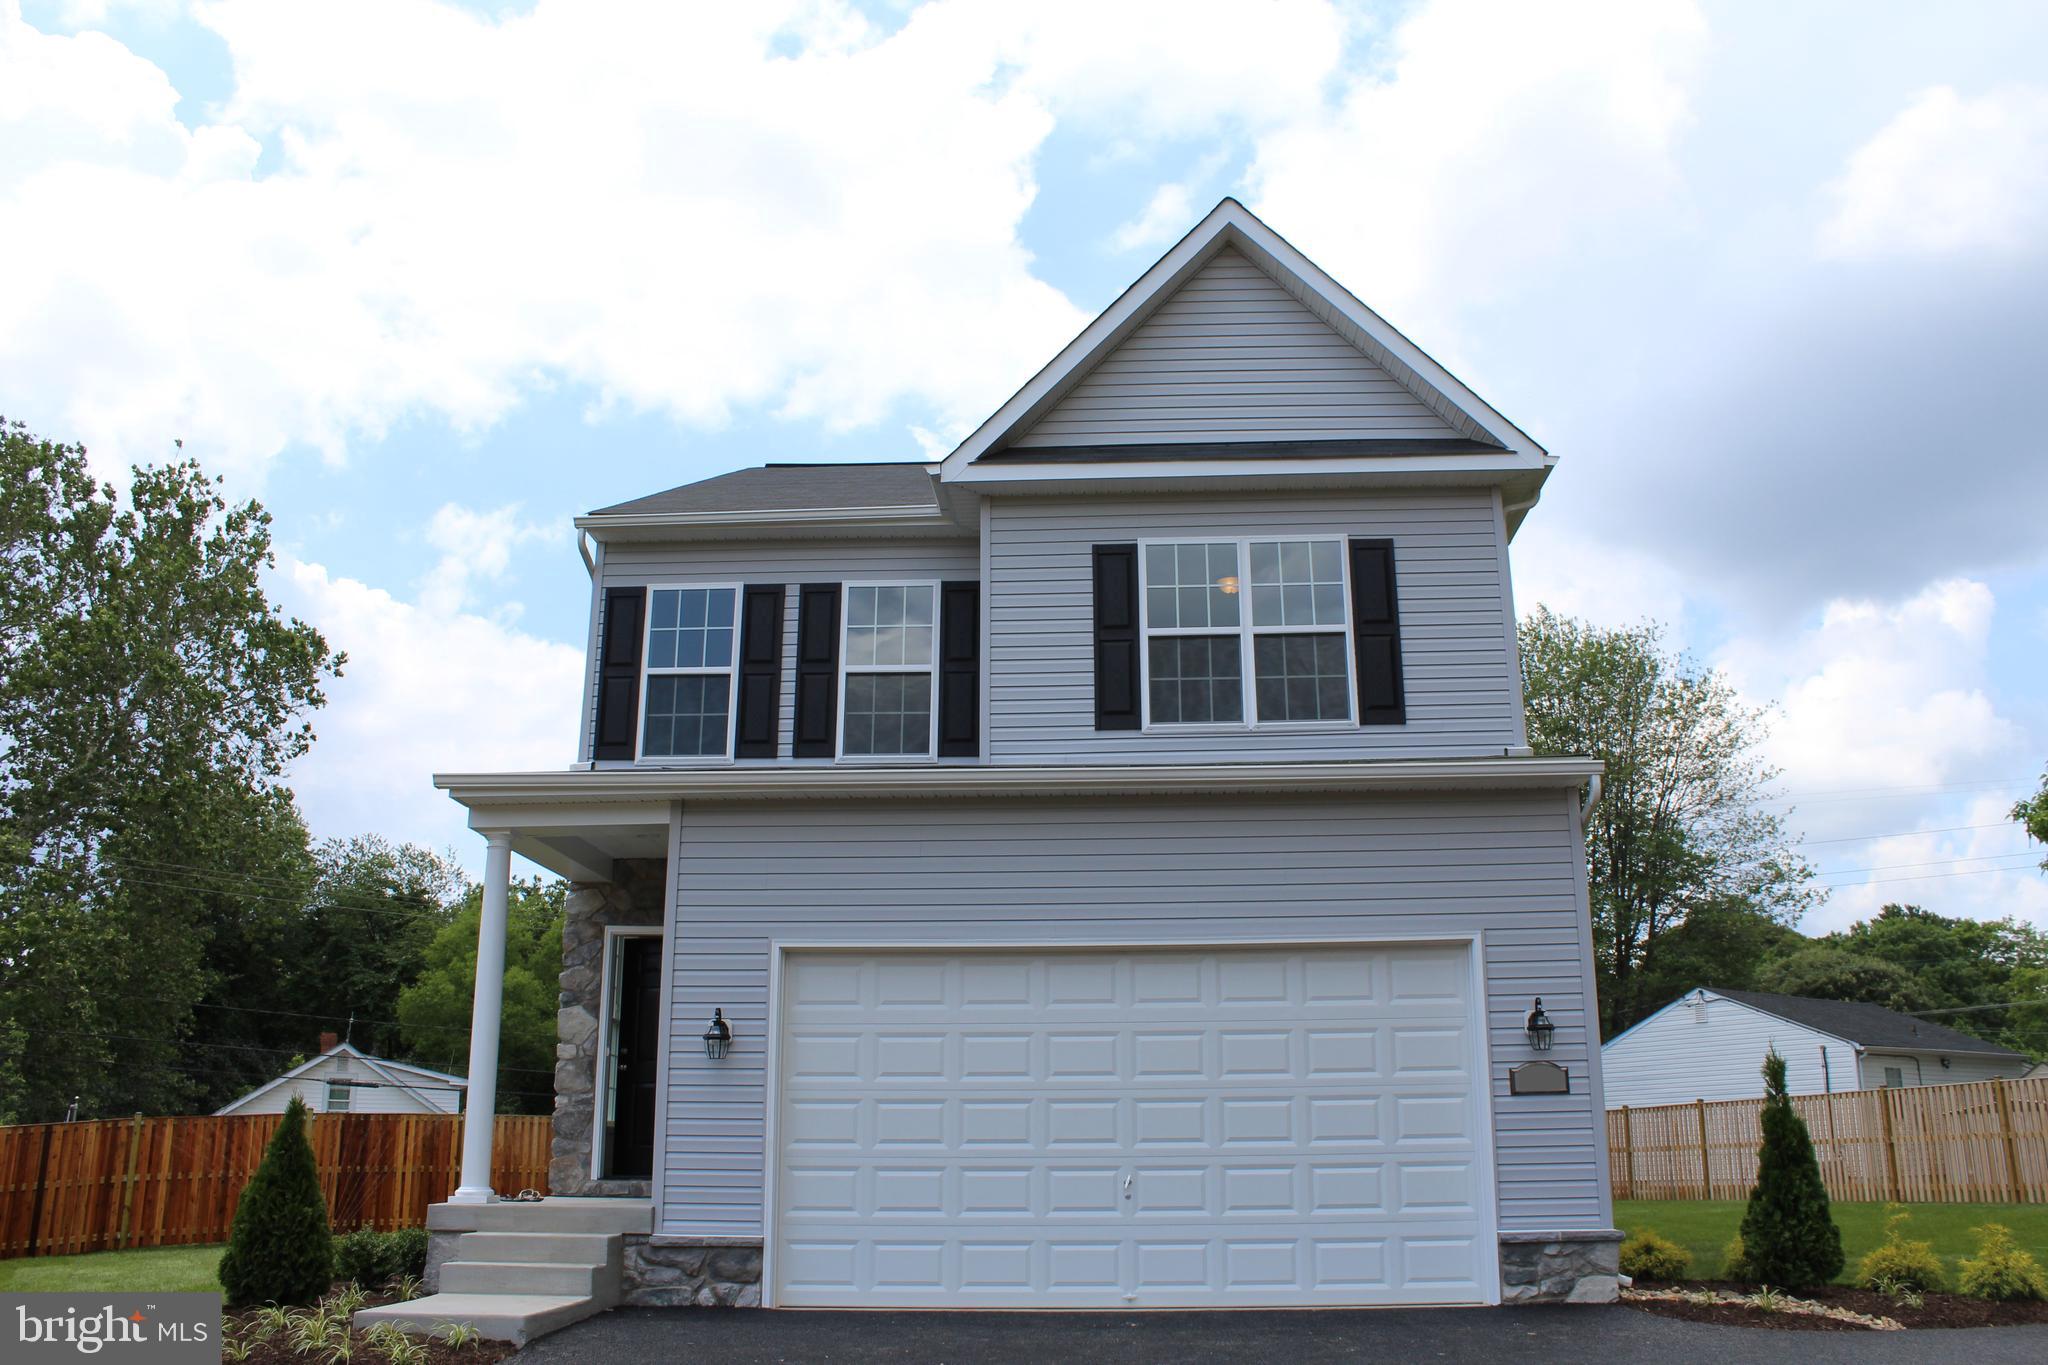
{"x": 603, "y": 521}
{"x": 997, "y": 781}
{"x": 1592, "y": 799}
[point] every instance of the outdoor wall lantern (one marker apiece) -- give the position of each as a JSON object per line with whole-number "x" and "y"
{"x": 1540, "y": 1028}
{"x": 717, "y": 1038}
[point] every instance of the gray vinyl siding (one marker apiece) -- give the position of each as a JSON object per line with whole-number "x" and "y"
{"x": 1462, "y": 696}
{"x": 1925, "y": 1068}
{"x": 1715, "y": 1051}
{"x": 1232, "y": 356}
{"x": 1119, "y": 872}
{"x": 791, "y": 563}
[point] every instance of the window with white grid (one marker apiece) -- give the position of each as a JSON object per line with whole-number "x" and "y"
{"x": 888, "y": 670}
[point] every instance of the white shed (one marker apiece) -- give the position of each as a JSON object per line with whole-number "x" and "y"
{"x": 1710, "y": 1045}
{"x": 343, "y": 1079}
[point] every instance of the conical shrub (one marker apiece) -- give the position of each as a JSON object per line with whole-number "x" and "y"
{"x": 1789, "y": 1238}
{"x": 281, "y": 1250}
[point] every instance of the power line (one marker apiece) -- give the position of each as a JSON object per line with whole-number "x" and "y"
{"x": 1933, "y": 862}
{"x": 1905, "y": 833}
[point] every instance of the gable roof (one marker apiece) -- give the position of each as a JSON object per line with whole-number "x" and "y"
{"x": 902, "y": 487}
{"x": 382, "y": 1066}
{"x": 1869, "y": 1026}
{"x": 1475, "y": 436}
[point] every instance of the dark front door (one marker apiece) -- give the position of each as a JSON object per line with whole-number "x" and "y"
{"x": 630, "y": 1150}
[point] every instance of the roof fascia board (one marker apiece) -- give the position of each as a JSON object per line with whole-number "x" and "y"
{"x": 496, "y": 799}
{"x": 1228, "y": 224}
{"x": 903, "y": 513}
{"x": 1500, "y": 467}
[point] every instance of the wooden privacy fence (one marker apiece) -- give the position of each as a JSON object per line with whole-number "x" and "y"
{"x": 147, "y": 1182}
{"x": 1986, "y": 1141}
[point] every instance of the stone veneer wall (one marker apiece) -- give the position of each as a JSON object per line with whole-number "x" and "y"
{"x": 700, "y": 1275}
{"x": 1560, "y": 1267}
{"x": 634, "y": 899}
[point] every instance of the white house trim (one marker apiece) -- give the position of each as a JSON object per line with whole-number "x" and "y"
{"x": 1232, "y": 224}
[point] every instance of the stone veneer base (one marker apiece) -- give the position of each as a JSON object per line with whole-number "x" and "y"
{"x": 634, "y": 900}
{"x": 679, "y": 1273}
{"x": 1582, "y": 1266}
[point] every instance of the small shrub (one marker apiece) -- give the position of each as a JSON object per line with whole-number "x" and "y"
{"x": 2001, "y": 1269}
{"x": 1768, "y": 1300}
{"x": 1787, "y": 1231}
{"x": 281, "y": 1250}
{"x": 1897, "y": 1266}
{"x": 1735, "y": 1262}
{"x": 374, "y": 1259}
{"x": 1647, "y": 1256}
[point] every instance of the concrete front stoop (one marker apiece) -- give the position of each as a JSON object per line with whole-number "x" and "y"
{"x": 519, "y": 1271}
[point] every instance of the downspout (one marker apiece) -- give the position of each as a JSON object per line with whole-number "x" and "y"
{"x": 1827, "y": 1079}
{"x": 1592, "y": 799}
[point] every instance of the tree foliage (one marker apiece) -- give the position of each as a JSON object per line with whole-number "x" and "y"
{"x": 1789, "y": 1237}
{"x": 1683, "y": 826}
{"x": 2032, "y": 815}
{"x": 151, "y": 699}
{"x": 434, "y": 1010}
{"x": 281, "y": 1250}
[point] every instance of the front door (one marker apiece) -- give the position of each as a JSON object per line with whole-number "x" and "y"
{"x": 629, "y": 1146}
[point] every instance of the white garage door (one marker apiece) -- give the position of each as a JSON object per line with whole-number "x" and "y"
{"x": 1129, "y": 1129}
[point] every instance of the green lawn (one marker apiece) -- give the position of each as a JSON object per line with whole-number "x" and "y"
{"x": 160, "y": 1270}
{"x": 1703, "y": 1227}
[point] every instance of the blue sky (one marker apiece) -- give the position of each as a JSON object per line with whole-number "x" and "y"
{"x": 431, "y": 279}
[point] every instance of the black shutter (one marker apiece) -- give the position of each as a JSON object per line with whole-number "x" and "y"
{"x": 759, "y": 730}
{"x": 1376, "y": 622}
{"x": 1117, "y": 676}
{"x": 618, "y": 672}
{"x": 959, "y": 670}
{"x": 817, "y": 671}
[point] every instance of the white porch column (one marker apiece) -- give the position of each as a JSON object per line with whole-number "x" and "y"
{"x": 487, "y": 1008}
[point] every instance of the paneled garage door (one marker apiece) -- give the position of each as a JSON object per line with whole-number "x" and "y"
{"x": 1129, "y": 1129}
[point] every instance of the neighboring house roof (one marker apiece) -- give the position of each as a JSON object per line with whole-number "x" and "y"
{"x": 384, "y": 1067}
{"x": 1868, "y": 1026}
{"x": 793, "y": 488}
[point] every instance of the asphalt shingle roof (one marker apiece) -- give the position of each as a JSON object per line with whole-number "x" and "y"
{"x": 1868, "y": 1025}
{"x": 792, "y": 487}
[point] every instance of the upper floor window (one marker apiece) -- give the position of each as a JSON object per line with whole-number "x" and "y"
{"x": 1199, "y": 630}
{"x": 888, "y": 670}
{"x": 338, "y": 1097}
{"x": 689, "y": 684}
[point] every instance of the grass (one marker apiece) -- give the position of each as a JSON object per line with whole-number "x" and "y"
{"x": 159, "y": 1270}
{"x": 1704, "y": 1226}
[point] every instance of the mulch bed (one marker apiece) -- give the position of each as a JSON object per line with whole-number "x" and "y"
{"x": 1936, "y": 1310}
{"x": 277, "y": 1348}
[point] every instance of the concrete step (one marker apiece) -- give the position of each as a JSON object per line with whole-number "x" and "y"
{"x": 528, "y": 1277}
{"x": 517, "y": 1318}
{"x": 556, "y": 1248}
{"x": 546, "y": 1215}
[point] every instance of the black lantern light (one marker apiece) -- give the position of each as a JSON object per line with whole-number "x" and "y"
{"x": 717, "y": 1038}
{"x": 1540, "y": 1028}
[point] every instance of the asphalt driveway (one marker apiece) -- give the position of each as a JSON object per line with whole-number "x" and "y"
{"x": 1485, "y": 1336}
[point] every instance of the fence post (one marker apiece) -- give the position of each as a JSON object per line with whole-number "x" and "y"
{"x": 2012, "y": 1153}
{"x": 1628, "y": 1150}
{"x": 1891, "y": 1149}
{"x": 35, "y": 1213}
{"x": 1706, "y": 1168}
{"x": 128, "y": 1181}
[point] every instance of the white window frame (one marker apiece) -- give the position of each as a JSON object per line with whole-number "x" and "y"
{"x": 731, "y": 672}
{"x": 1247, "y": 633}
{"x": 348, "y": 1099}
{"x": 931, "y": 748}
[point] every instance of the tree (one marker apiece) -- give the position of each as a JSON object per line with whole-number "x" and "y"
{"x": 150, "y": 700}
{"x": 434, "y": 1011}
{"x": 2032, "y": 814}
{"x": 1683, "y": 823}
{"x": 281, "y": 1249}
{"x": 1827, "y": 970}
{"x": 1789, "y": 1238}
{"x": 1719, "y": 943}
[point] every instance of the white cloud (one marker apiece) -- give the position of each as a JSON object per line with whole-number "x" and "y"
{"x": 1167, "y": 214}
{"x": 1608, "y": 585}
{"x": 1881, "y": 698}
{"x": 1497, "y": 137}
{"x": 427, "y": 689}
{"x": 475, "y": 547}
{"x": 404, "y": 208}
{"x": 1948, "y": 174}
{"x": 1976, "y": 862}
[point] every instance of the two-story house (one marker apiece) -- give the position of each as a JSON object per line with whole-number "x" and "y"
{"x": 1102, "y": 868}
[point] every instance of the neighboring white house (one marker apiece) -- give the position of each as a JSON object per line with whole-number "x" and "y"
{"x": 1710, "y": 1045}
{"x": 343, "y": 1079}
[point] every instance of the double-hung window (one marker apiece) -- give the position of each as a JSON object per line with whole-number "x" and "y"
{"x": 1210, "y": 606}
{"x": 888, "y": 667}
{"x": 690, "y": 652}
